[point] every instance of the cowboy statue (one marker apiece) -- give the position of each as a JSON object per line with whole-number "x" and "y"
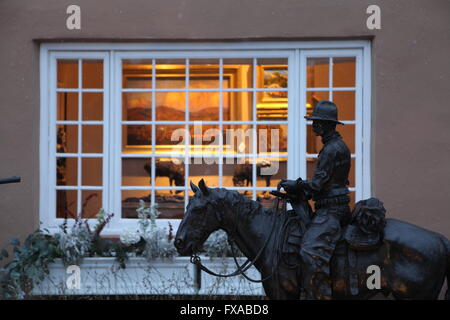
{"x": 328, "y": 189}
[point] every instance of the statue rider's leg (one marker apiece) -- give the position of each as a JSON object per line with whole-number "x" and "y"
{"x": 316, "y": 251}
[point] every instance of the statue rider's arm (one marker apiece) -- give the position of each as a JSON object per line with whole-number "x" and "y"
{"x": 322, "y": 174}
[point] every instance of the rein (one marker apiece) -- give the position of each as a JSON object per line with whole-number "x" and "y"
{"x": 241, "y": 269}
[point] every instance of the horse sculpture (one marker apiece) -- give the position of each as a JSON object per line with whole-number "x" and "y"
{"x": 414, "y": 262}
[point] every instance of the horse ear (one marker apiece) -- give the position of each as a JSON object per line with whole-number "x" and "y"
{"x": 203, "y": 187}
{"x": 194, "y": 187}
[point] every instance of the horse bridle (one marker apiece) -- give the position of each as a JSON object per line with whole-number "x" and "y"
{"x": 240, "y": 269}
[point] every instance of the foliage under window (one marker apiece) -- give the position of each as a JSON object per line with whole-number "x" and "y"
{"x": 29, "y": 264}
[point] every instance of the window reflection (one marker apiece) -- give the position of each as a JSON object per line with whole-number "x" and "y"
{"x": 318, "y": 72}
{"x": 130, "y": 202}
{"x": 136, "y": 172}
{"x": 170, "y": 205}
{"x": 237, "y": 106}
{"x": 243, "y": 71}
{"x": 169, "y": 172}
{"x": 92, "y": 74}
{"x": 67, "y": 109}
{"x": 67, "y": 74}
{"x": 204, "y": 106}
{"x": 91, "y": 202}
{"x": 66, "y": 204}
{"x": 92, "y": 106}
{"x": 170, "y": 106}
{"x": 345, "y": 101}
{"x": 344, "y": 71}
{"x": 137, "y": 73}
{"x": 137, "y": 106}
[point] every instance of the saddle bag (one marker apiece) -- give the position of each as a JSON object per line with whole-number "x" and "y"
{"x": 366, "y": 229}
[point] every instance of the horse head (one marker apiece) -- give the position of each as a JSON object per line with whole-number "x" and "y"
{"x": 199, "y": 221}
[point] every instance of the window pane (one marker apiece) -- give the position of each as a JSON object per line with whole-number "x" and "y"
{"x": 92, "y": 139}
{"x": 170, "y": 139}
{"x": 66, "y": 204}
{"x": 92, "y": 169}
{"x": 204, "y": 74}
{"x": 92, "y": 74}
{"x": 171, "y": 106}
{"x": 205, "y": 135}
{"x": 204, "y": 106}
{"x": 207, "y": 169}
{"x": 66, "y": 171}
{"x": 237, "y": 106}
{"x": 136, "y": 172}
{"x": 318, "y": 72}
{"x": 269, "y": 171}
{"x": 273, "y": 111}
{"x": 272, "y": 138}
{"x": 170, "y": 74}
{"x": 344, "y": 72}
{"x": 345, "y": 102}
{"x": 137, "y": 106}
{"x": 130, "y": 202}
{"x": 272, "y": 73}
{"x": 66, "y": 138}
{"x": 237, "y": 172}
{"x": 136, "y": 138}
{"x": 238, "y": 139}
{"x": 67, "y": 74}
{"x": 137, "y": 73}
{"x": 92, "y": 106}
{"x": 169, "y": 172}
{"x": 170, "y": 204}
{"x": 91, "y": 202}
{"x": 239, "y": 71}
{"x": 67, "y": 109}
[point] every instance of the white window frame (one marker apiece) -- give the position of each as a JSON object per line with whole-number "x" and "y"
{"x": 112, "y": 53}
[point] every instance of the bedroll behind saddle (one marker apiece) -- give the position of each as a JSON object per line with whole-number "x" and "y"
{"x": 365, "y": 231}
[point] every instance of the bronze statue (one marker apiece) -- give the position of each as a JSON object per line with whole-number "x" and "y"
{"x": 328, "y": 188}
{"x": 326, "y": 254}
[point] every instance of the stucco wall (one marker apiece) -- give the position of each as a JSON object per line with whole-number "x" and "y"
{"x": 411, "y": 117}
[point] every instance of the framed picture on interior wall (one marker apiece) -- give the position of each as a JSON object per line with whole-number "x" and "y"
{"x": 272, "y": 105}
{"x": 171, "y": 106}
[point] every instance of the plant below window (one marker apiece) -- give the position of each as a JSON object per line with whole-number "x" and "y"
{"x": 29, "y": 264}
{"x": 149, "y": 240}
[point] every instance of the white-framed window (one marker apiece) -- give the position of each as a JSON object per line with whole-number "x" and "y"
{"x": 122, "y": 123}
